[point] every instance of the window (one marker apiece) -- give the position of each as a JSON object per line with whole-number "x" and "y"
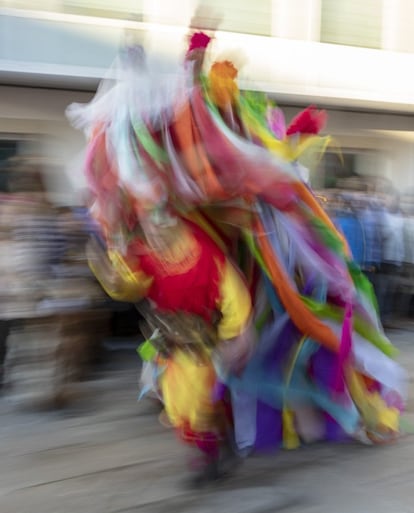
{"x": 352, "y": 169}
{"x": 8, "y": 148}
{"x": 242, "y": 16}
{"x": 352, "y": 22}
{"x": 123, "y": 9}
{"x": 35, "y": 5}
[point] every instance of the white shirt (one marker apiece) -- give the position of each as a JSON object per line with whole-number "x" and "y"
{"x": 393, "y": 238}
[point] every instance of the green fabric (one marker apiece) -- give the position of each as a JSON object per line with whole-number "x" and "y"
{"x": 262, "y": 319}
{"x": 257, "y": 103}
{"x": 362, "y": 283}
{"x": 248, "y": 237}
{"x": 366, "y": 331}
{"x": 326, "y": 235}
{"x": 147, "y": 351}
{"x": 156, "y": 152}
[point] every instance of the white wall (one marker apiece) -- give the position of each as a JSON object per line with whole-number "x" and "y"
{"x": 296, "y": 19}
{"x": 296, "y": 66}
{"x": 398, "y": 25}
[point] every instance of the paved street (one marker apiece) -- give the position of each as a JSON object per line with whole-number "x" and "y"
{"x": 109, "y": 454}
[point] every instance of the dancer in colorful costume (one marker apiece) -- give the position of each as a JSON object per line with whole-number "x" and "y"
{"x": 197, "y": 183}
{"x": 201, "y": 305}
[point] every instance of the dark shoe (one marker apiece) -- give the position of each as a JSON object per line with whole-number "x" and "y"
{"x": 229, "y": 460}
{"x": 215, "y": 470}
{"x": 209, "y": 474}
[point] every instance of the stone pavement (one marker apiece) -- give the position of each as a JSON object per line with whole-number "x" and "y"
{"x": 109, "y": 454}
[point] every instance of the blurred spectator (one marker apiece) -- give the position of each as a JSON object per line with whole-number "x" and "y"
{"x": 409, "y": 239}
{"x": 406, "y": 285}
{"x": 4, "y": 333}
{"x": 393, "y": 254}
{"x": 52, "y": 310}
{"x": 347, "y": 220}
{"x": 371, "y": 217}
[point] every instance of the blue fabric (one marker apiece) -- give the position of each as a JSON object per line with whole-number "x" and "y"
{"x": 371, "y": 223}
{"x": 244, "y": 413}
{"x": 271, "y": 390}
{"x": 353, "y": 232}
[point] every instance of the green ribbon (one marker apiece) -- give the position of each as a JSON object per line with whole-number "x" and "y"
{"x": 366, "y": 331}
{"x": 147, "y": 351}
{"x": 327, "y": 235}
{"x": 156, "y": 152}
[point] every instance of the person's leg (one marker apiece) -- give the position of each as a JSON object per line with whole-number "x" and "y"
{"x": 244, "y": 414}
{"x": 4, "y": 333}
{"x": 187, "y": 389}
{"x": 389, "y": 285}
{"x": 384, "y": 292}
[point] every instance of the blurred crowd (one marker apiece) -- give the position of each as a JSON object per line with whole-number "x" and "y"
{"x": 379, "y": 229}
{"x": 53, "y": 313}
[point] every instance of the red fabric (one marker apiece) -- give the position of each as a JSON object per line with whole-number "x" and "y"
{"x": 371, "y": 384}
{"x": 309, "y": 121}
{"x": 195, "y": 291}
{"x": 100, "y": 171}
{"x": 198, "y": 40}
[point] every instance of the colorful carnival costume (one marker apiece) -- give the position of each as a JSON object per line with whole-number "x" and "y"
{"x": 201, "y": 305}
{"x": 221, "y": 167}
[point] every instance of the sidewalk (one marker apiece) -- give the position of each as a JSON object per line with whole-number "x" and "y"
{"x": 109, "y": 454}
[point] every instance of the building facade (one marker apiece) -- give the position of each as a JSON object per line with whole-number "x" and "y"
{"x": 353, "y": 58}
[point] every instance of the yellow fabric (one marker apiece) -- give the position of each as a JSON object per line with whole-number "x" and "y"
{"x": 128, "y": 285}
{"x": 310, "y": 150}
{"x": 281, "y": 148}
{"x": 303, "y": 148}
{"x": 235, "y": 303}
{"x": 187, "y": 383}
{"x": 223, "y": 89}
{"x": 376, "y": 414}
{"x": 290, "y": 437}
{"x": 186, "y": 387}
